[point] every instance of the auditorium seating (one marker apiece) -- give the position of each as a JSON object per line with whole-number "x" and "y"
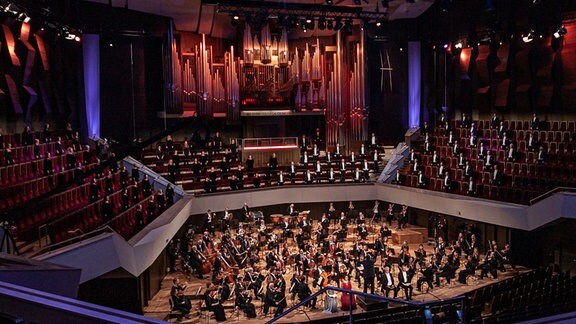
{"x": 530, "y": 295}
{"x": 524, "y": 178}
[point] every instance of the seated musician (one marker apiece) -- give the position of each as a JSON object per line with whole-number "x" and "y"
{"x": 287, "y": 227}
{"x": 292, "y": 210}
{"x": 244, "y": 299}
{"x": 506, "y": 257}
{"x": 275, "y": 297}
{"x": 420, "y": 255}
{"x": 213, "y": 303}
{"x": 427, "y": 276}
{"x": 308, "y": 177}
{"x": 445, "y": 271}
{"x": 180, "y": 301}
{"x": 340, "y": 233}
{"x": 490, "y": 265}
{"x": 469, "y": 270}
{"x": 387, "y": 282}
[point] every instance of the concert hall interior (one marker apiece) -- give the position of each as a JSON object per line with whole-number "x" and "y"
{"x": 190, "y": 161}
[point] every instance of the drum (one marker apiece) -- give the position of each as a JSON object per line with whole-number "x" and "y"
{"x": 471, "y": 280}
{"x": 276, "y": 218}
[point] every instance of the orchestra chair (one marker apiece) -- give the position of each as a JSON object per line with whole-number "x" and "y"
{"x": 174, "y": 314}
{"x": 207, "y": 313}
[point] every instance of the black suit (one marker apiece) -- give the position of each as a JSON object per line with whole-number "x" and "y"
{"x": 388, "y": 284}
{"x": 405, "y": 280}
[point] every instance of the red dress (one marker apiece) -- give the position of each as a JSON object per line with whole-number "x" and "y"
{"x": 345, "y": 298}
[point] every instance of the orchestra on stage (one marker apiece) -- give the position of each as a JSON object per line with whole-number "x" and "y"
{"x": 289, "y": 258}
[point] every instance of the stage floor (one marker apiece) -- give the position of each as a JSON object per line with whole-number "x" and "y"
{"x": 159, "y": 306}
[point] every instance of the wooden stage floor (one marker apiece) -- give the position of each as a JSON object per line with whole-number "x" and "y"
{"x": 159, "y": 306}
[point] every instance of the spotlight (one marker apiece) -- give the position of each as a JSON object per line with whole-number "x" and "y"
{"x": 329, "y": 2}
{"x": 77, "y": 38}
{"x": 310, "y": 23}
{"x": 338, "y": 24}
{"x": 234, "y": 20}
{"x": 560, "y": 32}
{"x": 445, "y": 46}
{"x": 235, "y": 17}
{"x": 458, "y": 45}
{"x": 322, "y": 23}
{"x": 378, "y": 23}
{"x": 528, "y": 38}
{"x": 348, "y": 26}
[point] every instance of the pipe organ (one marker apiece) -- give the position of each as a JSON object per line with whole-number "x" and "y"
{"x": 263, "y": 73}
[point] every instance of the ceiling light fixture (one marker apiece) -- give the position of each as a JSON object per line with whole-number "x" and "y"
{"x": 560, "y": 32}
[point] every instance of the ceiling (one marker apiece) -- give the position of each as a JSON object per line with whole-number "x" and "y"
{"x": 194, "y": 16}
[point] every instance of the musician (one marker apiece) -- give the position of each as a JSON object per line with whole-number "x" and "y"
{"x": 180, "y": 301}
{"x": 305, "y": 160}
{"x": 420, "y": 254}
{"x": 422, "y": 181}
{"x": 244, "y": 299}
{"x": 531, "y": 143}
{"x": 369, "y": 273}
{"x": 405, "y": 282}
{"x": 390, "y": 214}
{"x": 208, "y": 225}
{"x": 287, "y": 227}
{"x": 380, "y": 246}
{"x": 469, "y": 270}
{"x": 362, "y": 231}
{"x": 535, "y": 124}
{"x": 490, "y": 265}
{"x": 427, "y": 276}
{"x": 501, "y": 130}
{"x": 447, "y": 183}
{"x": 506, "y": 257}
{"x": 482, "y": 151}
{"x": 387, "y": 282}
{"x": 403, "y": 217}
{"x": 303, "y": 292}
{"x": 214, "y": 304}
{"x": 445, "y": 271}
{"x": 196, "y": 259}
{"x": 292, "y": 210}
{"x": 511, "y": 153}
{"x": 456, "y": 148}
{"x": 275, "y": 296}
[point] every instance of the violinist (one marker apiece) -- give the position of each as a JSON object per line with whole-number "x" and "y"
{"x": 490, "y": 265}
{"x": 506, "y": 257}
{"x": 180, "y": 301}
{"x": 469, "y": 270}
{"x": 427, "y": 276}
{"x": 362, "y": 231}
{"x": 275, "y": 296}
{"x": 213, "y": 303}
{"x": 244, "y": 299}
{"x": 420, "y": 255}
{"x": 445, "y": 271}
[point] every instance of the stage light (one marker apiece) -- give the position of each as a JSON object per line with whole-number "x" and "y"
{"x": 308, "y": 19}
{"x": 445, "y": 46}
{"x": 560, "y": 32}
{"x": 310, "y": 23}
{"x": 322, "y": 23}
{"x": 378, "y": 23}
{"x": 338, "y": 24}
{"x": 458, "y": 45}
{"x": 329, "y": 2}
{"x": 77, "y": 38}
{"x": 528, "y": 38}
{"x": 330, "y": 24}
{"x": 234, "y": 20}
{"x": 348, "y": 26}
